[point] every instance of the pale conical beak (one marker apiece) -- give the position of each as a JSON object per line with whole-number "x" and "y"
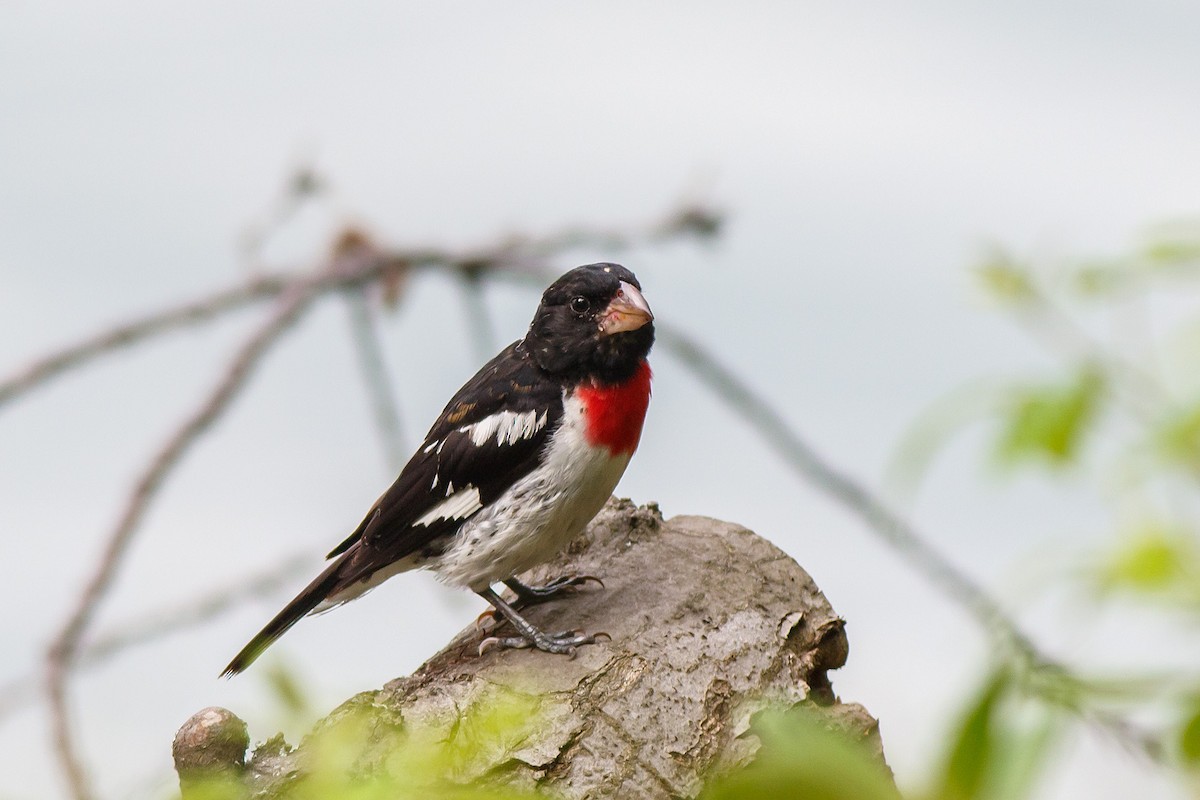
{"x": 628, "y": 311}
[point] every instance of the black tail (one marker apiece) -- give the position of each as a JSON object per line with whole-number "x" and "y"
{"x": 312, "y": 596}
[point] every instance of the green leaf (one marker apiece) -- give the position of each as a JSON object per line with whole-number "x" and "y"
{"x": 1189, "y": 736}
{"x": 367, "y": 752}
{"x": 1101, "y": 279}
{"x": 286, "y": 688}
{"x": 975, "y": 745}
{"x": 1178, "y": 439}
{"x": 1006, "y": 280}
{"x": 1005, "y": 739}
{"x": 1027, "y": 754}
{"x": 1049, "y": 423}
{"x": 1152, "y": 561}
{"x": 804, "y": 756}
{"x": 1173, "y": 251}
{"x": 1157, "y": 560}
{"x": 216, "y": 787}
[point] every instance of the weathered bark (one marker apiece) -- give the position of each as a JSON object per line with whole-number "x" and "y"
{"x": 710, "y": 623}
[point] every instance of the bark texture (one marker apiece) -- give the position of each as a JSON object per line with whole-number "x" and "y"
{"x": 710, "y": 624}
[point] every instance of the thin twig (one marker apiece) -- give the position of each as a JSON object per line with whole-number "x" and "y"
{"x": 479, "y": 320}
{"x": 22, "y": 692}
{"x": 897, "y": 533}
{"x": 385, "y": 408}
{"x": 63, "y": 651}
{"x": 516, "y": 257}
{"x": 1052, "y": 327}
{"x": 304, "y": 184}
{"x": 523, "y": 260}
{"x": 180, "y": 316}
{"x": 344, "y": 271}
{"x": 889, "y": 526}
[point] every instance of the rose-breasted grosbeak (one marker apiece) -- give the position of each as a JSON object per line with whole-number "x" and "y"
{"x": 520, "y": 460}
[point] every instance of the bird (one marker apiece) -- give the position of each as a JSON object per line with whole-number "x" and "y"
{"x": 523, "y": 456}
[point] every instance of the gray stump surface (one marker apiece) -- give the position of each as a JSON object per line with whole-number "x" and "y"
{"x": 710, "y": 623}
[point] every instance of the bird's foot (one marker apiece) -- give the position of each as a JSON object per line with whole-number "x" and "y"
{"x": 528, "y": 636}
{"x": 563, "y": 642}
{"x": 532, "y": 595}
{"x": 528, "y": 595}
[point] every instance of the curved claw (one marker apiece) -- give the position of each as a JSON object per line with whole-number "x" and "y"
{"x": 580, "y": 580}
{"x": 505, "y": 643}
{"x": 486, "y": 621}
{"x": 561, "y": 642}
{"x": 570, "y": 582}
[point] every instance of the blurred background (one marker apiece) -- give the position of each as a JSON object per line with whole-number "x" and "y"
{"x": 868, "y": 160}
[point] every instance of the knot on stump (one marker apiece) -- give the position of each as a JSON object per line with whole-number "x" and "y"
{"x": 211, "y": 745}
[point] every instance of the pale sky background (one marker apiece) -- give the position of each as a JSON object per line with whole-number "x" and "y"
{"x": 867, "y": 155}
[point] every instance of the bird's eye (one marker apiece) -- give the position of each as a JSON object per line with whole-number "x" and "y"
{"x": 580, "y": 305}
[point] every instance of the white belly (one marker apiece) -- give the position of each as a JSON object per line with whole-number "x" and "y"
{"x": 536, "y": 518}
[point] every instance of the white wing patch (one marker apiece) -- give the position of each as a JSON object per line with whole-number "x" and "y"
{"x": 459, "y": 505}
{"x": 538, "y": 515}
{"x": 509, "y": 427}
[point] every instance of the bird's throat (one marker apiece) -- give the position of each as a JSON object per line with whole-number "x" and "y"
{"x": 614, "y": 413}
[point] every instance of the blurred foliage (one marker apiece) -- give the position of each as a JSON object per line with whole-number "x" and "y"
{"x": 1178, "y": 438}
{"x": 419, "y": 759}
{"x": 1002, "y": 745}
{"x": 216, "y": 788}
{"x": 803, "y": 755}
{"x": 287, "y": 690}
{"x": 1115, "y": 413}
{"x": 1119, "y": 415}
{"x": 1005, "y": 280}
{"x": 1049, "y": 422}
{"x": 1156, "y": 562}
{"x": 366, "y": 753}
{"x": 1189, "y": 734}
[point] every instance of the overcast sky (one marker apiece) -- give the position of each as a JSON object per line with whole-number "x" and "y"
{"x": 867, "y": 155}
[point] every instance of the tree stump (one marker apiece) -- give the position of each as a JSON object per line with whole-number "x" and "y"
{"x": 710, "y": 624}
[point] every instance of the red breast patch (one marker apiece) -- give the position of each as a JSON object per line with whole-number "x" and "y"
{"x": 615, "y": 414}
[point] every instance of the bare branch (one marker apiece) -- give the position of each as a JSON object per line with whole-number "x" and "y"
{"x": 516, "y": 257}
{"x": 385, "y": 408}
{"x": 900, "y": 535}
{"x": 22, "y": 692}
{"x": 479, "y": 321}
{"x": 304, "y": 184}
{"x": 63, "y": 651}
{"x": 350, "y": 268}
{"x": 180, "y": 316}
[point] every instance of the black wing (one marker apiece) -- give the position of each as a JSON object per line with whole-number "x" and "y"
{"x": 509, "y": 382}
{"x": 448, "y": 460}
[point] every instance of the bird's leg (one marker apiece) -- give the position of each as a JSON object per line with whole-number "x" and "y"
{"x": 531, "y": 595}
{"x": 563, "y": 642}
{"x": 528, "y": 595}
